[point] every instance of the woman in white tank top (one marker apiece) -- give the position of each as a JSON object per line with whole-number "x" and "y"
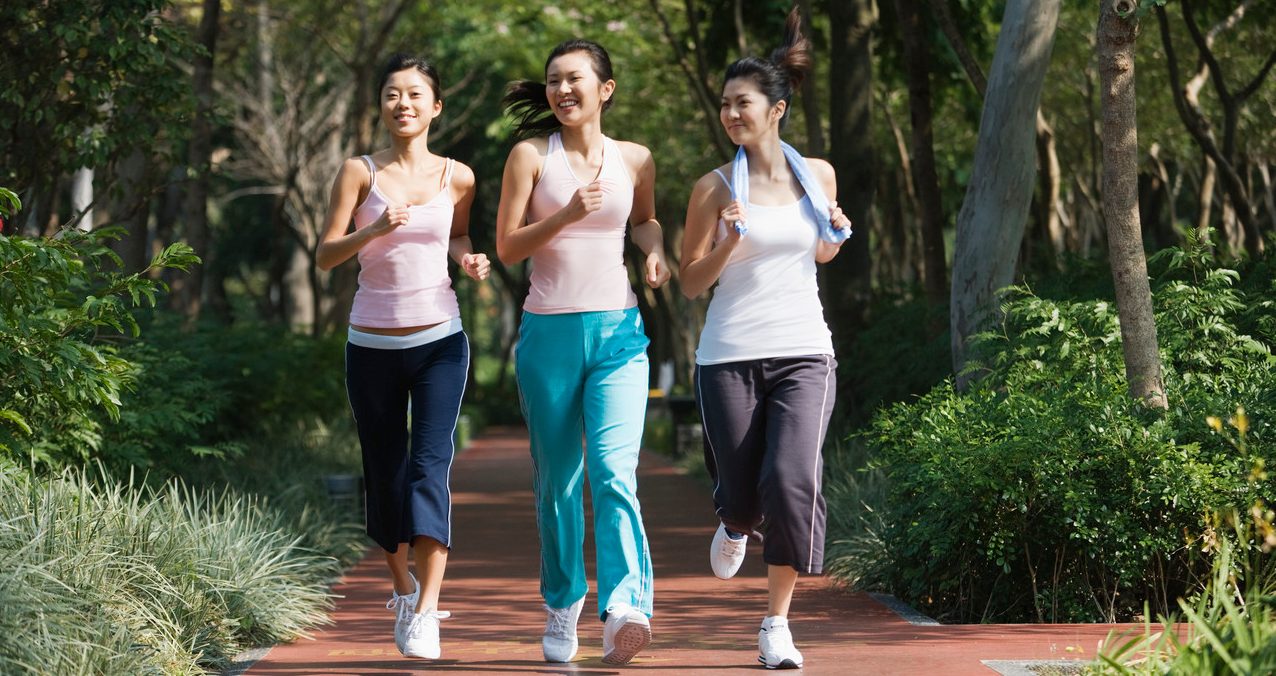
{"x": 765, "y": 370}
{"x": 566, "y": 198}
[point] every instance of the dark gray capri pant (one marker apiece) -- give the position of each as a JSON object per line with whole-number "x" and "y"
{"x": 764, "y": 427}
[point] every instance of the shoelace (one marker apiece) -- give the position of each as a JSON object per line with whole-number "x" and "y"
{"x": 559, "y": 621}
{"x": 730, "y": 546}
{"x": 422, "y": 620}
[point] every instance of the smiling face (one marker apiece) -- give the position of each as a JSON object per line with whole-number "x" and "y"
{"x": 575, "y": 92}
{"x": 408, "y": 104}
{"x": 745, "y": 113}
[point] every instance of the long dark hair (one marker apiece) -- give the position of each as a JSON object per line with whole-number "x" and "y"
{"x": 527, "y": 103}
{"x": 400, "y": 61}
{"x": 778, "y": 76}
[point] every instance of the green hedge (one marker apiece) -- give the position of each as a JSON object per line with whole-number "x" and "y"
{"x": 1044, "y": 492}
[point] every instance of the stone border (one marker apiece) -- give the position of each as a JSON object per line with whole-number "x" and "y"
{"x": 244, "y": 661}
{"x": 1037, "y": 667}
{"x": 905, "y": 611}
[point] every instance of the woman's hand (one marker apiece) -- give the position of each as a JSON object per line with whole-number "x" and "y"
{"x": 735, "y": 215}
{"x": 838, "y": 219}
{"x": 476, "y": 266}
{"x": 393, "y": 218}
{"x": 586, "y": 200}
{"x": 657, "y": 269}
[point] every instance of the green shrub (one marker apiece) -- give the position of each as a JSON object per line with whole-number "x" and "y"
{"x": 1045, "y": 492}
{"x": 211, "y": 391}
{"x": 59, "y": 378}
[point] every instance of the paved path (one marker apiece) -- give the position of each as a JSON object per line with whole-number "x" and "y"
{"x": 702, "y": 624}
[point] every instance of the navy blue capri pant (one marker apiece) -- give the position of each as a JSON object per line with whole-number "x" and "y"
{"x": 407, "y": 470}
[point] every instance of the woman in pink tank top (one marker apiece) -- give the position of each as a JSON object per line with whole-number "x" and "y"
{"x": 566, "y": 198}
{"x": 411, "y": 211}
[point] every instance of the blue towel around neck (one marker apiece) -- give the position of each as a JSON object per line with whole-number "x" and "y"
{"x": 740, "y": 192}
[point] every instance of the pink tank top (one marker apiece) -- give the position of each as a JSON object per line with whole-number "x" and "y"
{"x": 403, "y": 277}
{"x": 582, "y": 269}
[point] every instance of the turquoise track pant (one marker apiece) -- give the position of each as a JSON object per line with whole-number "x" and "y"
{"x": 584, "y": 375}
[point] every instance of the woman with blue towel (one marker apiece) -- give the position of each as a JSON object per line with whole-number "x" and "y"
{"x": 765, "y": 371}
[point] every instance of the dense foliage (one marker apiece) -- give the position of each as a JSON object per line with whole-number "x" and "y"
{"x": 1044, "y": 492}
{"x": 57, "y": 374}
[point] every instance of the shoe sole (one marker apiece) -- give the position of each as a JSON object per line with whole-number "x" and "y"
{"x": 554, "y": 661}
{"x": 784, "y": 664}
{"x": 630, "y": 639}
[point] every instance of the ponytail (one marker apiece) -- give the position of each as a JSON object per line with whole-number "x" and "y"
{"x": 793, "y": 56}
{"x": 526, "y": 102}
{"x": 780, "y": 75}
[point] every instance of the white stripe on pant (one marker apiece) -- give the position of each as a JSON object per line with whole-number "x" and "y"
{"x": 764, "y": 423}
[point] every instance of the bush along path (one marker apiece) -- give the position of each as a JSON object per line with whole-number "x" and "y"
{"x": 702, "y": 624}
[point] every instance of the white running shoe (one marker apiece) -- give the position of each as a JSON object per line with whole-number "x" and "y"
{"x": 422, "y": 638}
{"x": 404, "y": 606}
{"x": 775, "y": 645}
{"x": 559, "y": 642}
{"x": 726, "y": 553}
{"x": 626, "y": 632}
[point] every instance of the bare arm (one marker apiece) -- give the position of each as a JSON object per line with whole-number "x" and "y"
{"x": 702, "y": 259}
{"x": 337, "y": 246}
{"x": 646, "y": 232}
{"x": 824, "y": 173}
{"x": 460, "y": 248}
{"x": 516, "y": 239}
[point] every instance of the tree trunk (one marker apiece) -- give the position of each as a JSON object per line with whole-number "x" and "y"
{"x": 133, "y": 210}
{"x": 925, "y": 178}
{"x": 1115, "y": 56}
{"x": 991, "y": 222}
{"x": 82, "y": 199}
{"x": 846, "y": 282}
{"x": 810, "y": 97}
{"x": 195, "y": 229}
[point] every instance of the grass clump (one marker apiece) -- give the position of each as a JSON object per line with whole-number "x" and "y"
{"x": 107, "y": 577}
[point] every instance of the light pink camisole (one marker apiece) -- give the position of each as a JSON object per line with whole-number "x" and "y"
{"x": 403, "y": 276}
{"x": 582, "y": 269}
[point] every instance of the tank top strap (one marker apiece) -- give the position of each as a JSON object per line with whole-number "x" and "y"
{"x": 372, "y": 167}
{"x": 724, "y": 178}
{"x": 447, "y": 173}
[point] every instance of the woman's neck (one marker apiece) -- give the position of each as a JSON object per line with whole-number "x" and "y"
{"x": 585, "y": 139}
{"x": 411, "y": 152}
{"x": 766, "y": 159}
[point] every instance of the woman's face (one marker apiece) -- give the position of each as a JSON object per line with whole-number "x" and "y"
{"x": 408, "y": 104}
{"x": 574, "y": 91}
{"x": 745, "y": 112}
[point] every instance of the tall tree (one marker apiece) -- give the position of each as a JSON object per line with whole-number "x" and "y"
{"x": 1114, "y": 49}
{"x": 912, "y": 30}
{"x": 847, "y": 285}
{"x": 190, "y": 290}
{"x": 990, "y": 225}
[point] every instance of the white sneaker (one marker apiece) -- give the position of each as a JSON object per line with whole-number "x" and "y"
{"x": 726, "y": 553}
{"x": 559, "y": 642}
{"x": 422, "y": 638}
{"x": 626, "y": 632}
{"x": 775, "y": 645}
{"x": 405, "y": 607}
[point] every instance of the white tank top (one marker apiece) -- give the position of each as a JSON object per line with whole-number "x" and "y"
{"x": 767, "y": 302}
{"x": 582, "y": 269}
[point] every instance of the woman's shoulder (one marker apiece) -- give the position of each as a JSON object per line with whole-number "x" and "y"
{"x": 462, "y": 174}
{"x": 712, "y": 183}
{"x": 632, "y": 151}
{"x": 823, "y": 172}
